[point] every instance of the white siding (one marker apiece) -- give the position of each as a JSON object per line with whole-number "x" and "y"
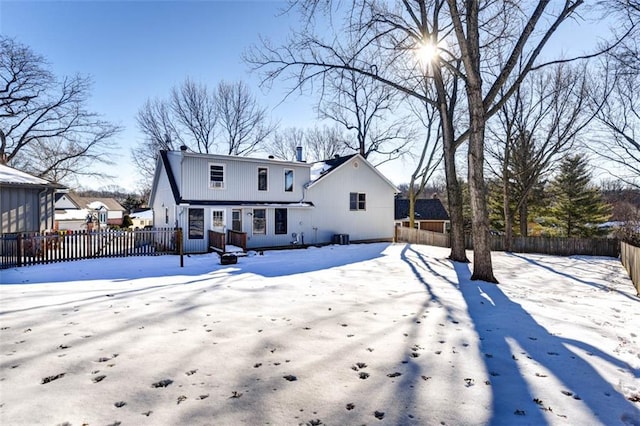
{"x": 164, "y": 208}
{"x": 330, "y": 196}
{"x": 241, "y": 179}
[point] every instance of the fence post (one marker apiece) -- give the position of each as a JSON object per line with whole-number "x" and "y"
{"x": 179, "y": 246}
{"x": 19, "y": 250}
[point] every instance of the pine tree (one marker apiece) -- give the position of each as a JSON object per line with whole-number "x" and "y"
{"x": 577, "y": 207}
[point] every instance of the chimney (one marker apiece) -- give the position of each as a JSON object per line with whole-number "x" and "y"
{"x": 299, "y": 153}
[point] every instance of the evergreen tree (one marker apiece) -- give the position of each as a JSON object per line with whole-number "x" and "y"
{"x": 577, "y": 207}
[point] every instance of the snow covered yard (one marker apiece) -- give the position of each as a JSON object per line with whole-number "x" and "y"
{"x": 388, "y": 334}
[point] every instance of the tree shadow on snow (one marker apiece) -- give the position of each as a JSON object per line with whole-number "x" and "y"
{"x": 508, "y": 332}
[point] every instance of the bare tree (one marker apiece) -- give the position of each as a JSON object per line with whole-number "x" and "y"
{"x": 318, "y": 143}
{"x": 194, "y": 107}
{"x": 188, "y": 117}
{"x": 368, "y": 109}
{"x": 395, "y": 34}
{"x": 45, "y": 128}
{"x": 535, "y": 127}
{"x": 322, "y": 143}
{"x": 490, "y": 38}
{"x": 244, "y": 124}
{"x": 620, "y": 116}
{"x": 283, "y": 143}
{"x": 156, "y": 123}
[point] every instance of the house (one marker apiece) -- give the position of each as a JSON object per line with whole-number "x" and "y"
{"x": 26, "y": 202}
{"x": 269, "y": 202}
{"x": 429, "y": 214}
{"x": 141, "y": 218}
{"x": 74, "y": 213}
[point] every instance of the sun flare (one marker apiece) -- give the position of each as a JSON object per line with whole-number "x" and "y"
{"x": 427, "y": 52}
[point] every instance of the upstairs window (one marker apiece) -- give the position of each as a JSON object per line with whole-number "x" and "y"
{"x": 288, "y": 180}
{"x": 216, "y": 176}
{"x": 263, "y": 173}
{"x": 357, "y": 201}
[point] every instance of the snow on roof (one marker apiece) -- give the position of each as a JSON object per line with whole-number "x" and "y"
{"x": 318, "y": 169}
{"x": 11, "y": 175}
{"x": 143, "y": 214}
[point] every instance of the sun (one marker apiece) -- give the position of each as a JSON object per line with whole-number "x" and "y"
{"x": 427, "y": 53}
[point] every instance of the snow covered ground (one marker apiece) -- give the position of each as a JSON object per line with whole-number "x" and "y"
{"x": 387, "y": 334}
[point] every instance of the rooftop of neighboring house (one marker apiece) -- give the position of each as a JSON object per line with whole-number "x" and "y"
{"x": 9, "y": 175}
{"x": 425, "y": 209}
{"x": 92, "y": 203}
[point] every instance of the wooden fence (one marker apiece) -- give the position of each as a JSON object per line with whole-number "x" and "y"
{"x": 630, "y": 256}
{"x": 32, "y": 248}
{"x": 419, "y": 236}
{"x": 542, "y": 245}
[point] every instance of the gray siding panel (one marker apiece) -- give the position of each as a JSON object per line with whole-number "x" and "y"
{"x": 22, "y": 210}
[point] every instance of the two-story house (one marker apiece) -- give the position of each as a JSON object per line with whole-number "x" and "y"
{"x": 274, "y": 203}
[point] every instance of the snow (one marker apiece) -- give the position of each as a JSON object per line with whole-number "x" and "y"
{"x": 143, "y": 214}
{"x": 388, "y": 334}
{"x": 318, "y": 169}
{"x": 11, "y": 175}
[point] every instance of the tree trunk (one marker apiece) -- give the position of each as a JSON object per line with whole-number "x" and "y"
{"x": 454, "y": 197}
{"x": 482, "y": 265}
{"x": 454, "y": 191}
{"x": 508, "y": 217}
{"x": 524, "y": 214}
{"x": 412, "y": 203}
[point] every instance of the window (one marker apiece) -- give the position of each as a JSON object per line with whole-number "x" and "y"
{"x": 288, "y": 180}
{"x": 357, "y": 201}
{"x": 166, "y": 215}
{"x": 196, "y": 224}
{"x": 236, "y": 220}
{"x": 259, "y": 221}
{"x": 217, "y": 219}
{"x": 281, "y": 221}
{"x": 262, "y": 178}
{"x": 216, "y": 176}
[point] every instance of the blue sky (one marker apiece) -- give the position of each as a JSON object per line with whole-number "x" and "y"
{"x": 136, "y": 50}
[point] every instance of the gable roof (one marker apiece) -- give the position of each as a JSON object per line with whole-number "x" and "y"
{"x": 321, "y": 169}
{"x": 93, "y": 202}
{"x": 425, "y": 209}
{"x": 11, "y": 176}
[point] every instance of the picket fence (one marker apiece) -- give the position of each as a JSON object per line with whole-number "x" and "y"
{"x": 33, "y": 248}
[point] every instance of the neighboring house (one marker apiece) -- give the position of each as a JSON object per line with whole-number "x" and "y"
{"x": 75, "y": 213}
{"x": 26, "y": 202}
{"x": 141, "y": 219}
{"x": 429, "y": 214}
{"x": 273, "y": 203}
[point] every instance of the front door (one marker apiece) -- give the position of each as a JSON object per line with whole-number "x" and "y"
{"x": 217, "y": 221}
